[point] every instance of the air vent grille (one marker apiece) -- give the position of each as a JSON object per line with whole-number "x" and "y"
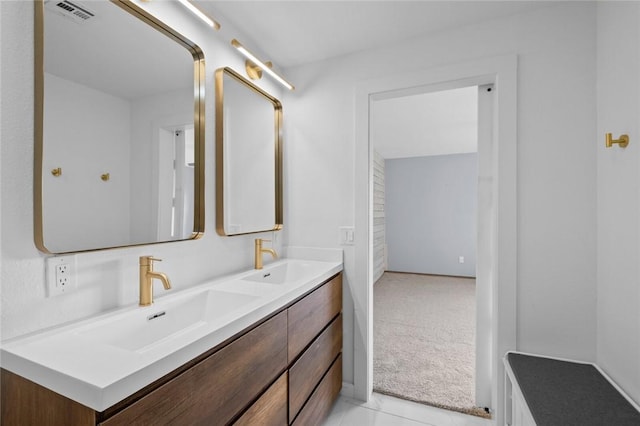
{"x": 72, "y": 10}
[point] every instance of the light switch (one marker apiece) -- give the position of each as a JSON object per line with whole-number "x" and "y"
{"x": 347, "y": 235}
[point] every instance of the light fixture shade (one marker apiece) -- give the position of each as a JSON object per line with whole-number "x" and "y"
{"x": 200, "y": 14}
{"x": 235, "y": 43}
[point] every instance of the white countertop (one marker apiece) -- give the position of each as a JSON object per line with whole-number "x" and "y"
{"x": 73, "y": 362}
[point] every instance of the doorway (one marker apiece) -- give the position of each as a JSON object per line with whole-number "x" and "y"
{"x": 425, "y": 152}
{"x": 497, "y": 212}
{"x": 175, "y": 153}
{"x": 170, "y": 151}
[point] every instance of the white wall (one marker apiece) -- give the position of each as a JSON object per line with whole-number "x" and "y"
{"x": 84, "y": 123}
{"x": 106, "y": 279}
{"x": 432, "y": 205}
{"x": 618, "y": 194}
{"x": 556, "y": 162}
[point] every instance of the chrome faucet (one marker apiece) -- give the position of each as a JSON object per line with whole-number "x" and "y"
{"x": 147, "y": 274}
{"x": 260, "y": 250}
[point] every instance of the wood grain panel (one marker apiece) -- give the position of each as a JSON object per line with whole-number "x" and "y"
{"x": 305, "y": 374}
{"x": 309, "y": 316}
{"x": 270, "y": 409}
{"x": 25, "y": 403}
{"x": 319, "y": 405}
{"x": 216, "y": 390}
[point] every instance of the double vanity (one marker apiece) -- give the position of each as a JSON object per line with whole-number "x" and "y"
{"x": 260, "y": 347}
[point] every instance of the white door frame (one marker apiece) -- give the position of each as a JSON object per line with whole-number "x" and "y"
{"x": 484, "y": 256}
{"x": 501, "y": 239}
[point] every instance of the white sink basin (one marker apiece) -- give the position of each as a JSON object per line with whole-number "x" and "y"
{"x": 145, "y": 328}
{"x": 283, "y": 273}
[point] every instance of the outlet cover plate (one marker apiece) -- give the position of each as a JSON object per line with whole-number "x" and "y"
{"x": 61, "y": 275}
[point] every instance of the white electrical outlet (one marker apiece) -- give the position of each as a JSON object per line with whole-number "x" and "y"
{"x": 61, "y": 275}
{"x": 460, "y": 259}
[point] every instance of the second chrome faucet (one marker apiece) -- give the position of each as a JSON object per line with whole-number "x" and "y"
{"x": 260, "y": 250}
{"x": 147, "y": 275}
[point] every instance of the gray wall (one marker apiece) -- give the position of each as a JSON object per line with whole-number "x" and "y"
{"x": 431, "y": 214}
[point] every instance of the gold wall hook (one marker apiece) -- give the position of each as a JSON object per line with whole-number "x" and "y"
{"x": 105, "y": 176}
{"x": 57, "y": 172}
{"x": 622, "y": 142}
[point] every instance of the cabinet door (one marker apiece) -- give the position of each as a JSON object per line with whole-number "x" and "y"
{"x": 309, "y": 316}
{"x": 25, "y": 403}
{"x": 319, "y": 405}
{"x": 307, "y": 371}
{"x": 214, "y": 391}
{"x": 270, "y": 409}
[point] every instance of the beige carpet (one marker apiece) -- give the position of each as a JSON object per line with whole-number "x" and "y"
{"x": 424, "y": 340}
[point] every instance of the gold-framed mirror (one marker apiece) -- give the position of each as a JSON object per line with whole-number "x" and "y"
{"x": 248, "y": 156}
{"x": 119, "y": 119}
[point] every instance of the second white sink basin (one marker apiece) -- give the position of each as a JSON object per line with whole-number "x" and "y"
{"x": 145, "y": 328}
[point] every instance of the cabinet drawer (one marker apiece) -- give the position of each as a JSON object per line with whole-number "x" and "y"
{"x": 270, "y": 409}
{"x": 25, "y": 403}
{"x": 218, "y": 388}
{"x": 305, "y": 374}
{"x": 310, "y": 315}
{"x": 321, "y": 401}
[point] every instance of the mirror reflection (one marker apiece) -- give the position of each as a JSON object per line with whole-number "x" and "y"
{"x": 248, "y": 156}
{"x": 119, "y": 148}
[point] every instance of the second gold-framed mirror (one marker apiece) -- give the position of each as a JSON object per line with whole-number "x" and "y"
{"x": 248, "y": 156}
{"x": 119, "y": 118}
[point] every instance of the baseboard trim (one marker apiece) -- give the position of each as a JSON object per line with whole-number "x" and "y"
{"x": 348, "y": 390}
{"x": 433, "y": 275}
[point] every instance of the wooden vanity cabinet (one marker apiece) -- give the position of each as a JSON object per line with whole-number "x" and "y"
{"x": 214, "y": 391}
{"x": 309, "y": 316}
{"x": 310, "y": 368}
{"x": 285, "y": 370}
{"x": 24, "y": 403}
{"x": 315, "y": 346}
{"x": 270, "y": 409}
{"x": 322, "y": 398}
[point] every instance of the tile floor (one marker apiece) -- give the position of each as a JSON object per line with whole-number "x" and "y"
{"x": 383, "y": 410}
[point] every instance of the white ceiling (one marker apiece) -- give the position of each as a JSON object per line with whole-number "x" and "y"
{"x": 302, "y": 31}
{"x": 292, "y": 33}
{"x": 114, "y": 52}
{"x": 436, "y": 123}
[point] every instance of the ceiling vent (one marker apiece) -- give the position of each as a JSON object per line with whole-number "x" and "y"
{"x": 70, "y": 9}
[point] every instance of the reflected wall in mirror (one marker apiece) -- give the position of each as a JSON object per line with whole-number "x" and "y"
{"x": 119, "y": 156}
{"x": 248, "y": 156}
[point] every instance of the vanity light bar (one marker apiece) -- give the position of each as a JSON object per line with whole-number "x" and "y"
{"x": 261, "y": 64}
{"x": 200, "y": 14}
